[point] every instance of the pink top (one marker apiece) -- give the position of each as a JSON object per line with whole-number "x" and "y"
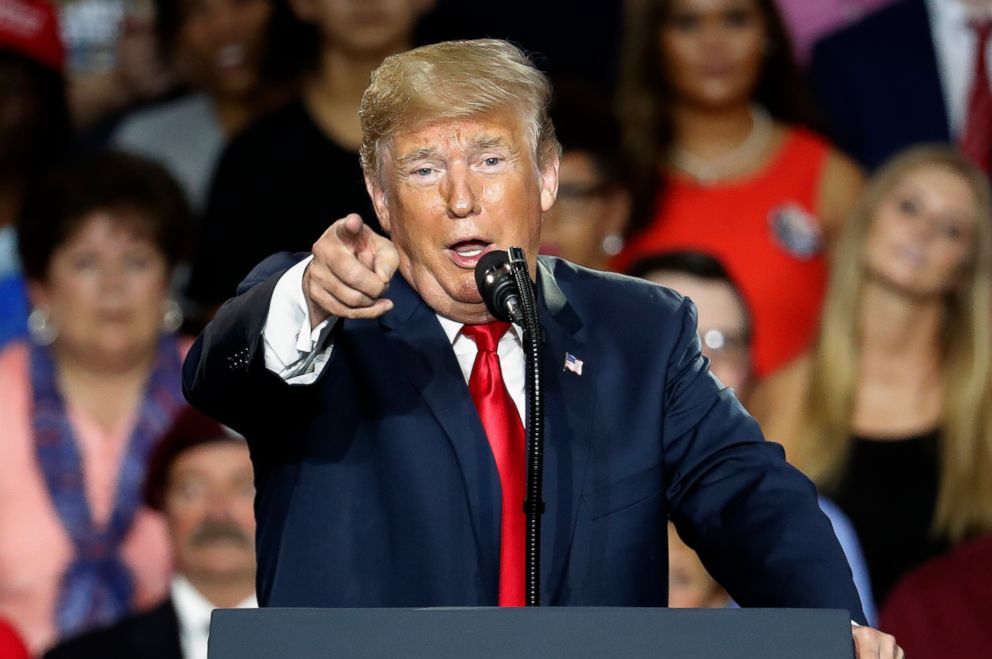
{"x": 34, "y": 547}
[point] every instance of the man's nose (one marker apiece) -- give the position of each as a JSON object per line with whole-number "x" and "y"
{"x": 219, "y": 506}
{"x": 460, "y": 192}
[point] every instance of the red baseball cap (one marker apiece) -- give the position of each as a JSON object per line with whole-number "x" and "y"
{"x": 30, "y": 28}
{"x": 189, "y": 430}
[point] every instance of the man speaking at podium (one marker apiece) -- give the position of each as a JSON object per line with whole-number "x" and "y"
{"x": 383, "y": 404}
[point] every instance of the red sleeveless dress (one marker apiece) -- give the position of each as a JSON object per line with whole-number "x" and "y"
{"x": 765, "y": 231}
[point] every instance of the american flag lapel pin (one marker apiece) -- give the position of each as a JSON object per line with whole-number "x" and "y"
{"x": 572, "y": 364}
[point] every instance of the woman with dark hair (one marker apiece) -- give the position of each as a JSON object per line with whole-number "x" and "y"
{"x": 83, "y": 405}
{"x": 287, "y": 176}
{"x": 715, "y": 117}
{"x": 219, "y": 49}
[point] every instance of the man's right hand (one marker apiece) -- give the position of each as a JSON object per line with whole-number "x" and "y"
{"x": 350, "y": 272}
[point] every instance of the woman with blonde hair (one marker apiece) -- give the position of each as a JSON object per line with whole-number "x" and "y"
{"x": 890, "y": 412}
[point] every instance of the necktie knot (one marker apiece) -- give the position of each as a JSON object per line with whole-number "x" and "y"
{"x": 487, "y": 335}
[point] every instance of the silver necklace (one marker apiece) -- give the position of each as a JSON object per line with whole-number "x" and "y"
{"x": 708, "y": 171}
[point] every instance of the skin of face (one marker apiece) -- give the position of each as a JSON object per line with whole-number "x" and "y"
{"x": 453, "y": 191}
{"x": 720, "y": 309}
{"x": 221, "y": 43}
{"x": 922, "y": 234}
{"x": 208, "y": 506}
{"x": 712, "y": 51}
{"x": 586, "y": 212}
{"x": 105, "y": 290}
{"x": 689, "y": 584}
{"x": 363, "y": 26}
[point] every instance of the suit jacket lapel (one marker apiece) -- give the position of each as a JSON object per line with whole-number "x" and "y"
{"x": 570, "y": 402}
{"x": 423, "y": 350}
{"x": 425, "y": 354}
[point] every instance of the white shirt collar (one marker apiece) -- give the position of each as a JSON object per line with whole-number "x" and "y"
{"x": 193, "y": 611}
{"x": 452, "y": 328}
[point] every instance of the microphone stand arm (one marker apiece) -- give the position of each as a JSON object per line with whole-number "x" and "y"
{"x": 533, "y": 500}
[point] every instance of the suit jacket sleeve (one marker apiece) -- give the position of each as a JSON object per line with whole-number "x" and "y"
{"x": 752, "y": 517}
{"x": 224, "y": 374}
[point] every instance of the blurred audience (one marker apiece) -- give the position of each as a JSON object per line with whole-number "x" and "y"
{"x": 218, "y": 47}
{"x": 808, "y": 20}
{"x": 34, "y": 131}
{"x": 724, "y": 326}
{"x": 201, "y": 479}
{"x": 690, "y": 586}
{"x": 943, "y": 607}
{"x": 587, "y": 223}
{"x": 114, "y": 62}
{"x": 288, "y": 176}
{"x": 575, "y": 38}
{"x": 83, "y": 405}
{"x": 915, "y": 71}
{"x": 890, "y": 412}
{"x": 713, "y": 107}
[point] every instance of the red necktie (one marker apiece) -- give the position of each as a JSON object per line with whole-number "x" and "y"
{"x": 976, "y": 139}
{"x": 501, "y": 422}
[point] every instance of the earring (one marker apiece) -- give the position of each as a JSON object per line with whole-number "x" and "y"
{"x": 42, "y": 329}
{"x": 612, "y": 244}
{"x": 172, "y": 316}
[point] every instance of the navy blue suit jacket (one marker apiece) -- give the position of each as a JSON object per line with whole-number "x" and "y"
{"x": 878, "y": 83}
{"x": 377, "y": 487}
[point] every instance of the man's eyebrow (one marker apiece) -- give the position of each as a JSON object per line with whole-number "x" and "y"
{"x": 485, "y": 142}
{"x": 415, "y": 155}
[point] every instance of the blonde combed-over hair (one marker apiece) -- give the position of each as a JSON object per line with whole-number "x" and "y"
{"x": 964, "y": 499}
{"x": 450, "y": 81}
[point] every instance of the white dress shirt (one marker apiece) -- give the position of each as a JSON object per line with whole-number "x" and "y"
{"x": 193, "y": 611}
{"x": 298, "y": 353}
{"x": 954, "y": 44}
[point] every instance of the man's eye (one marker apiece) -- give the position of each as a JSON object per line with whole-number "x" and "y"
{"x": 492, "y": 161}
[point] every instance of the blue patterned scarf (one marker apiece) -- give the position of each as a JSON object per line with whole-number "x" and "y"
{"x": 97, "y": 588}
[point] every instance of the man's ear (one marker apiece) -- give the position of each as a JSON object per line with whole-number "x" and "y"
{"x": 549, "y": 184}
{"x": 379, "y": 201}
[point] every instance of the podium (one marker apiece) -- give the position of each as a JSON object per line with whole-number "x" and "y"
{"x": 545, "y": 633}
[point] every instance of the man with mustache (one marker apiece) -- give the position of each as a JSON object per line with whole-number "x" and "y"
{"x": 200, "y": 478}
{"x": 385, "y": 481}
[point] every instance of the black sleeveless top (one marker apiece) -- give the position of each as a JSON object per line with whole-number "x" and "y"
{"x": 889, "y": 491}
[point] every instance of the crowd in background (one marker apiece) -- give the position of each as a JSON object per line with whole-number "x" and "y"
{"x": 813, "y": 174}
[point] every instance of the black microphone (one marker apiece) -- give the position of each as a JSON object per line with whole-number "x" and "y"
{"x": 494, "y": 277}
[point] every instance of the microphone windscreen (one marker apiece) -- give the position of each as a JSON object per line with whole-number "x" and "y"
{"x": 490, "y": 261}
{"x": 496, "y": 284}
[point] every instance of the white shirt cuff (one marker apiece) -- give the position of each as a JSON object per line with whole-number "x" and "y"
{"x": 293, "y": 350}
